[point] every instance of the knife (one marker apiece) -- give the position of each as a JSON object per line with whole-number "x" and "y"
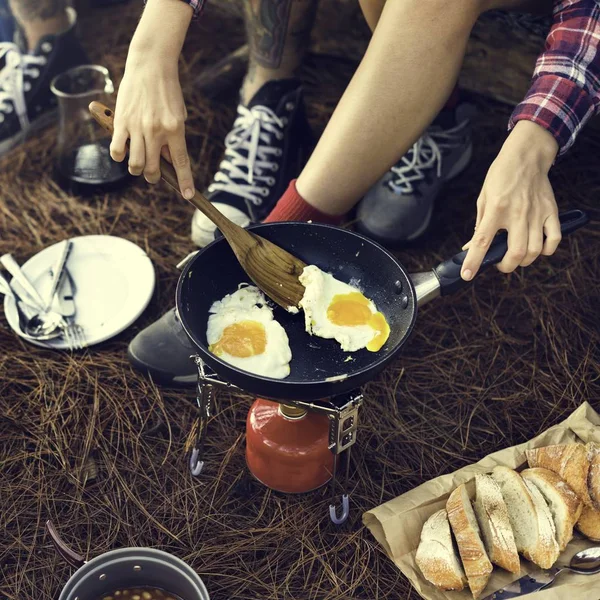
{"x": 65, "y": 296}
{"x": 532, "y": 582}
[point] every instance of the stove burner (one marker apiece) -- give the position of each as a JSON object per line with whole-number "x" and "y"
{"x": 341, "y": 410}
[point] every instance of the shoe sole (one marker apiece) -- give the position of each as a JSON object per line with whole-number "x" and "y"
{"x": 40, "y": 123}
{"x": 203, "y": 237}
{"x": 162, "y": 377}
{"x": 458, "y": 168}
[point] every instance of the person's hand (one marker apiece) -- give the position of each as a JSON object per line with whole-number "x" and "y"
{"x": 517, "y": 196}
{"x": 150, "y": 110}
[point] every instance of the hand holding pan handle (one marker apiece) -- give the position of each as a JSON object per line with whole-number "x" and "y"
{"x": 448, "y": 272}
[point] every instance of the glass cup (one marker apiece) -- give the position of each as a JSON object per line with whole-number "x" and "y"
{"x": 83, "y": 163}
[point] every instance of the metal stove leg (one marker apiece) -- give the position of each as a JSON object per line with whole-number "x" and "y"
{"x": 204, "y": 399}
{"x": 345, "y": 508}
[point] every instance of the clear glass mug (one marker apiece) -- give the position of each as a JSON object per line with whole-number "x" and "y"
{"x": 83, "y": 163}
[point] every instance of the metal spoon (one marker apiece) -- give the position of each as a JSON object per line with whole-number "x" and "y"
{"x": 5, "y": 288}
{"x": 586, "y": 562}
{"x": 45, "y": 324}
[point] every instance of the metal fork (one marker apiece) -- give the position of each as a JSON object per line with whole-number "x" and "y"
{"x": 74, "y": 335}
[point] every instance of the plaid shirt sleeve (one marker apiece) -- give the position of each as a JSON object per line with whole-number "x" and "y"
{"x": 565, "y": 90}
{"x": 197, "y": 5}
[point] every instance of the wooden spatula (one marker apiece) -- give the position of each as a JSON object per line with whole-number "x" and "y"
{"x": 274, "y": 270}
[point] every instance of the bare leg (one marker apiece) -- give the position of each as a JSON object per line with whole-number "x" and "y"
{"x": 372, "y": 10}
{"x": 278, "y": 35}
{"x": 38, "y": 18}
{"x": 409, "y": 70}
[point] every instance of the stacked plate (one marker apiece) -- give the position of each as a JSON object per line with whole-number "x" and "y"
{"x": 112, "y": 283}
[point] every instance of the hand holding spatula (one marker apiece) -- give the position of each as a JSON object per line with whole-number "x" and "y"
{"x": 274, "y": 270}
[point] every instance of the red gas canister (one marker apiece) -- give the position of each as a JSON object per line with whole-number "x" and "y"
{"x": 287, "y": 448}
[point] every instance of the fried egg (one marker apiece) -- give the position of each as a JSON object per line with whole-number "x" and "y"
{"x": 242, "y": 331}
{"x": 336, "y": 310}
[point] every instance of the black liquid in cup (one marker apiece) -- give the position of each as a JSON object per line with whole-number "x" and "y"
{"x": 83, "y": 165}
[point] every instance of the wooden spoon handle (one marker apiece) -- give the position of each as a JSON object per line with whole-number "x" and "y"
{"x": 105, "y": 117}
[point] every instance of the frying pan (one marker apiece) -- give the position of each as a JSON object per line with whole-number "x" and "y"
{"x": 319, "y": 368}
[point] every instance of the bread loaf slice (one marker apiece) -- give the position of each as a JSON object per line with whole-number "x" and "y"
{"x": 534, "y": 535}
{"x": 436, "y": 555}
{"x": 563, "y": 502}
{"x": 494, "y": 524}
{"x": 594, "y": 473}
{"x": 548, "y": 546}
{"x": 472, "y": 552}
{"x": 570, "y": 461}
{"x": 589, "y": 523}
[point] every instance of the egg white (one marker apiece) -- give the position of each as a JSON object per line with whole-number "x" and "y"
{"x": 249, "y": 304}
{"x": 320, "y": 288}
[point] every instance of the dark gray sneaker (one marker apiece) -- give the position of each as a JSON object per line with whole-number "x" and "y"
{"x": 163, "y": 351}
{"x": 398, "y": 208}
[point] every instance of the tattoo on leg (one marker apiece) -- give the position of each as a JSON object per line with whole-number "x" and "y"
{"x": 267, "y": 23}
{"x": 37, "y": 10}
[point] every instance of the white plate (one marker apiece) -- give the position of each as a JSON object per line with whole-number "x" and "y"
{"x": 113, "y": 281}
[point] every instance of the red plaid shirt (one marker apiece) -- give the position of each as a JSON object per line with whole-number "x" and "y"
{"x": 565, "y": 90}
{"x": 197, "y": 5}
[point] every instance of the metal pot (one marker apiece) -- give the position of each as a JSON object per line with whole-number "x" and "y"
{"x": 127, "y": 568}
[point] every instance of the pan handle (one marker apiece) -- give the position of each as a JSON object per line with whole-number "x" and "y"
{"x": 70, "y": 556}
{"x": 448, "y": 272}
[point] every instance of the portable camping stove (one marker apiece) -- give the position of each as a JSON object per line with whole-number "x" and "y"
{"x": 341, "y": 411}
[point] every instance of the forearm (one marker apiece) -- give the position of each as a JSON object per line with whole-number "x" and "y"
{"x": 160, "y": 32}
{"x": 410, "y": 68}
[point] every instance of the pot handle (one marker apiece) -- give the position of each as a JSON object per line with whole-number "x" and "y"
{"x": 448, "y": 272}
{"x": 70, "y": 556}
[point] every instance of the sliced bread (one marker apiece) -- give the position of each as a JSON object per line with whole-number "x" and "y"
{"x": 589, "y": 523}
{"x": 594, "y": 473}
{"x": 563, "y": 502}
{"x": 533, "y": 535}
{"x": 549, "y": 551}
{"x": 436, "y": 555}
{"x": 570, "y": 461}
{"x": 464, "y": 525}
{"x": 494, "y": 524}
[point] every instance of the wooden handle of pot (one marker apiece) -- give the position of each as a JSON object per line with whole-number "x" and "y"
{"x": 105, "y": 117}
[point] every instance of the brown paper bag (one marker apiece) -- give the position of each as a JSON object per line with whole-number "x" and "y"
{"x": 397, "y": 524}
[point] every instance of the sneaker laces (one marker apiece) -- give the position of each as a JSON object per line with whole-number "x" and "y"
{"x": 13, "y": 83}
{"x": 249, "y": 152}
{"x": 427, "y": 152}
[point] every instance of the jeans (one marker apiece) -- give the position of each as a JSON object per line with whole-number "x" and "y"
{"x": 7, "y": 23}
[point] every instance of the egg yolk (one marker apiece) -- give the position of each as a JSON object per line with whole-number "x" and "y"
{"x": 351, "y": 310}
{"x": 242, "y": 340}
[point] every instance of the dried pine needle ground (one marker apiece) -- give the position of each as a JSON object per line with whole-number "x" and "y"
{"x": 89, "y": 443}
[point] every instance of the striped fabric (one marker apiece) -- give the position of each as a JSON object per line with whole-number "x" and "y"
{"x": 565, "y": 90}
{"x": 197, "y": 5}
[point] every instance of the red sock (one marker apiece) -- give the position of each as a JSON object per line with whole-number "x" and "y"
{"x": 293, "y": 207}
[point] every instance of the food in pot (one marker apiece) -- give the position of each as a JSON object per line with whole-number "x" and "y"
{"x": 144, "y": 593}
{"x": 336, "y": 310}
{"x": 242, "y": 332}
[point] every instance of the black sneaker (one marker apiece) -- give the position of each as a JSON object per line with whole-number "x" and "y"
{"x": 26, "y": 102}
{"x": 163, "y": 352}
{"x": 398, "y": 208}
{"x": 268, "y": 146}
